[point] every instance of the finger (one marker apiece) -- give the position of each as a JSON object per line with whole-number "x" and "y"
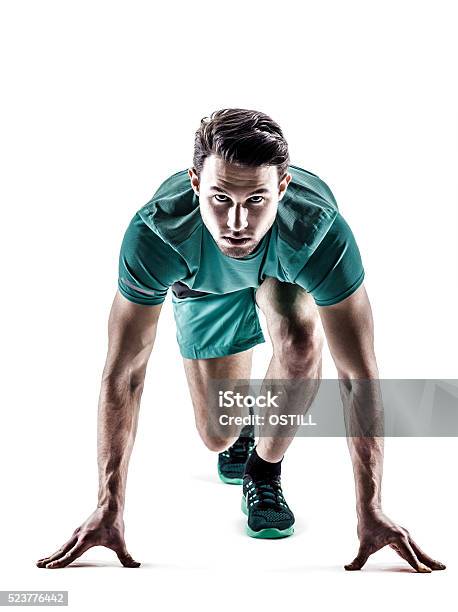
{"x": 404, "y": 549}
{"x": 360, "y": 559}
{"x": 69, "y": 557}
{"x": 424, "y": 558}
{"x": 65, "y": 548}
{"x": 125, "y": 558}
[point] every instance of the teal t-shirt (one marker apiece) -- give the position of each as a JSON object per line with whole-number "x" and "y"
{"x": 309, "y": 244}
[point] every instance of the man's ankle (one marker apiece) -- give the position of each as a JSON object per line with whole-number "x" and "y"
{"x": 258, "y": 468}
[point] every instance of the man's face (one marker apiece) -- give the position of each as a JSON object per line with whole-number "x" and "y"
{"x": 238, "y": 204}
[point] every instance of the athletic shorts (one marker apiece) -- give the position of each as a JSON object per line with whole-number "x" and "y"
{"x": 213, "y": 325}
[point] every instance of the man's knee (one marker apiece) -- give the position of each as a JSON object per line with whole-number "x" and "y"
{"x": 293, "y": 322}
{"x": 216, "y": 443}
{"x": 298, "y": 344}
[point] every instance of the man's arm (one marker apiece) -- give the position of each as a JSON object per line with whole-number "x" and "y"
{"x": 349, "y": 330}
{"x": 131, "y": 331}
{"x": 131, "y": 334}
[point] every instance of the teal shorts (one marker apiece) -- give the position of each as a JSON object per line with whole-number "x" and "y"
{"x": 213, "y": 325}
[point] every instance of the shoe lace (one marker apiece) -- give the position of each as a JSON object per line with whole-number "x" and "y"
{"x": 266, "y": 492}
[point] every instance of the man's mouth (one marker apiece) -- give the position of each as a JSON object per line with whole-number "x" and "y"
{"x": 236, "y": 241}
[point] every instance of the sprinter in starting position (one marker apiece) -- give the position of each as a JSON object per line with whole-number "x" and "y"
{"x": 242, "y": 231}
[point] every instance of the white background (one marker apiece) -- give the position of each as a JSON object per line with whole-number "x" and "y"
{"x": 100, "y": 101}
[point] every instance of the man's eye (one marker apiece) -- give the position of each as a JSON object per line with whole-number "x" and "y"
{"x": 253, "y": 199}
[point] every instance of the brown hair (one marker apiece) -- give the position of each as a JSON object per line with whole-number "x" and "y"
{"x": 240, "y": 136}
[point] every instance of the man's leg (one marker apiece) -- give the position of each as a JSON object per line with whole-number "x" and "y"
{"x": 294, "y": 328}
{"x": 216, "y": 334}
{"x": 235, "y": 449}
{"x": 199, "y": 373}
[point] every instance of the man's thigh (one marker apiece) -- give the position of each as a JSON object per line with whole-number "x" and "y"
{"x": 203, "y": 376}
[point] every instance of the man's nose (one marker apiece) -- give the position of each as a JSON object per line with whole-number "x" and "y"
{"x": 237, "y": 218}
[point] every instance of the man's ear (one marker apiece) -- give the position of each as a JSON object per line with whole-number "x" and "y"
{"x": 284, "y": 185}
{"x": 195, "y": 183}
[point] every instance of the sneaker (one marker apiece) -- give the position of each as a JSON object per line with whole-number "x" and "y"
{"x": 231, "y": 463}
{"x": 268, "y": 513}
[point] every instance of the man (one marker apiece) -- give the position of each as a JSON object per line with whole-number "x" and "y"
{"x": 243, "y": 230}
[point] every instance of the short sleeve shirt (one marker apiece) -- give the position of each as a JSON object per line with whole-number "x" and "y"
{"x": 148, "y": 265}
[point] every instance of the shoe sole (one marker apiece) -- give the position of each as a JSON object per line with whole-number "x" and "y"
{"x": 269, "y": 533}
{"x": 227, "y": 480}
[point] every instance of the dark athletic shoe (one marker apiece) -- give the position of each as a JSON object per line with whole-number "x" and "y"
{"x": 231, "y": 463}
{"x": 268, "y": 513}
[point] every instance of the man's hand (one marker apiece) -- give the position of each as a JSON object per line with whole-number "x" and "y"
{"x": 377, "y": 531}
{"x": 100, "y": 529}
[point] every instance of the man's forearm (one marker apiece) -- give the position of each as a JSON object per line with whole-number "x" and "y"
{"x": 367, "y": 457}
{"x": 118, "y": 411}
{"x": 363, "y": 409}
